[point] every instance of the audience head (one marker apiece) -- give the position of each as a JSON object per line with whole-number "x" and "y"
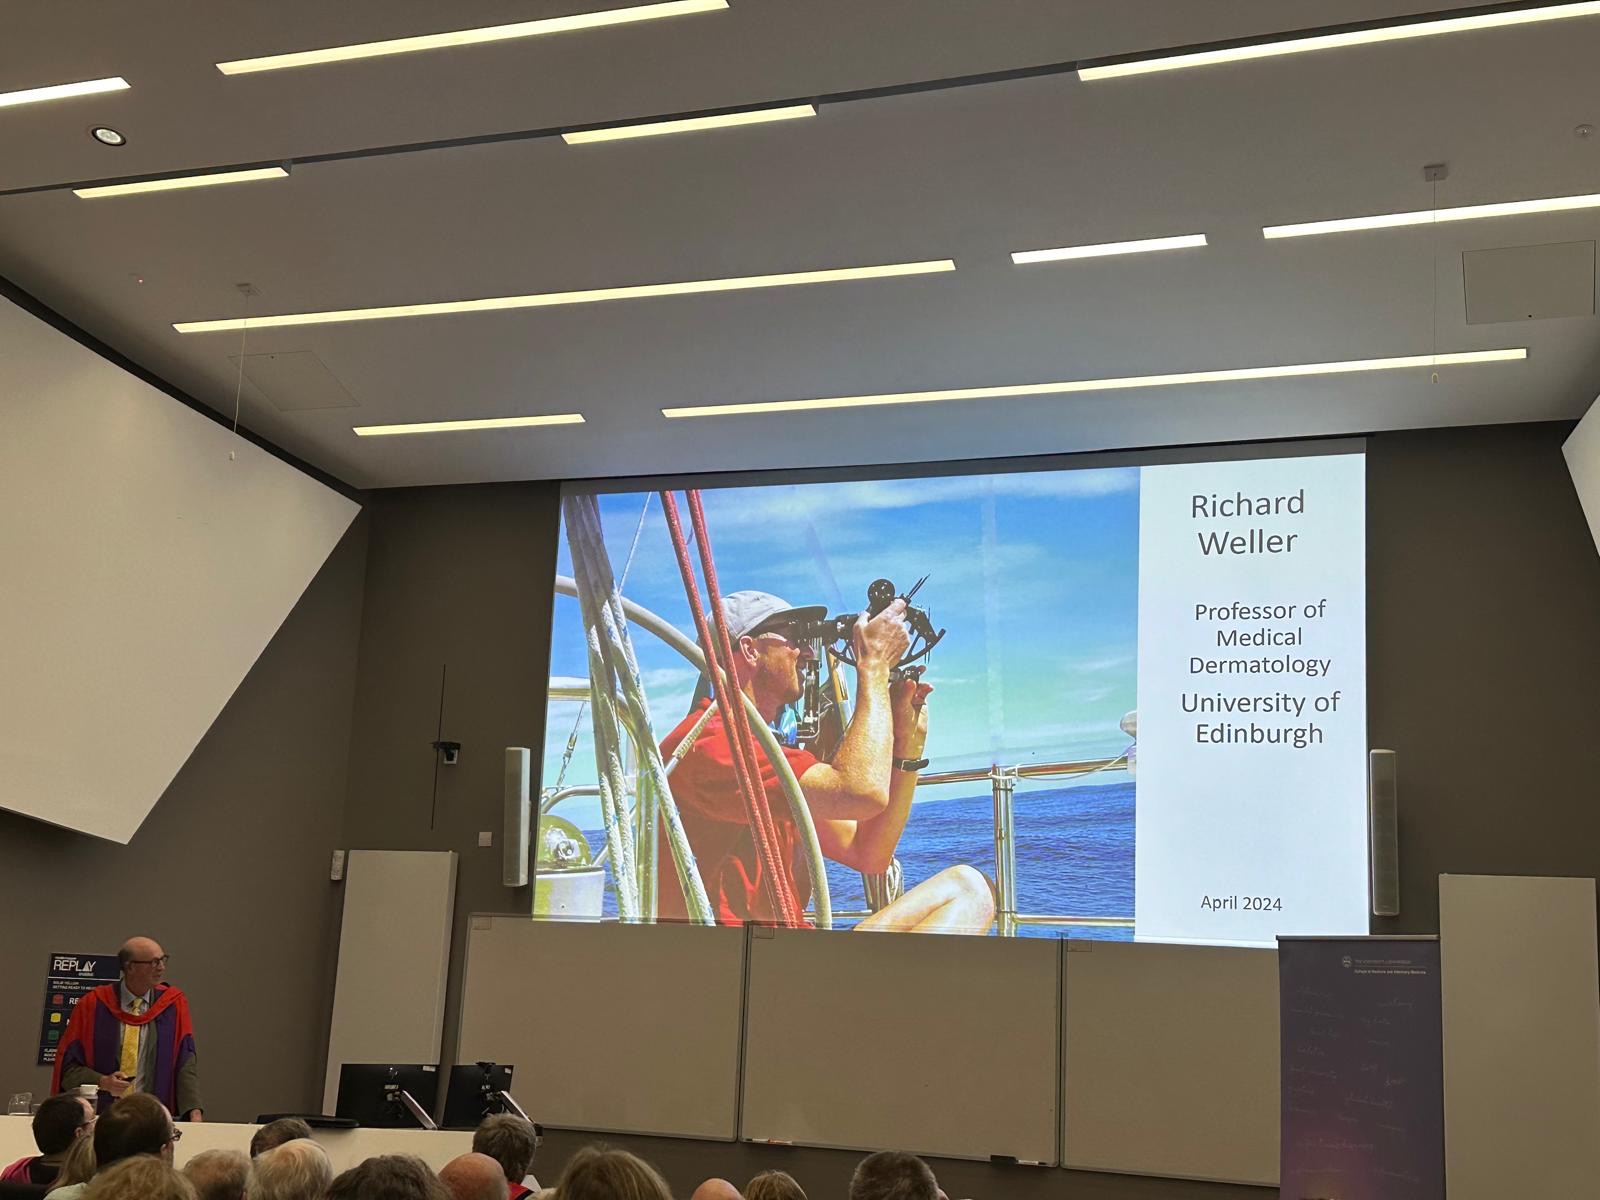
{"x": 774, "y": 1185}
{"x": 218, "y": 1174}
{"x": 78, "y": 1166}
{"x": 716, "y": 1189}
{"x": 143, "y": 963}
{"x": 297, "y": 1170}
{"x": 276, "y": 1133}
{"x": 389, "y": 1177}
{"x": 142, "y": 1177}
{"x": 60, "y": 1121}
{"x": 891, "y": 1175}
{"x": 601, "y": 1173}
{"x": 510, "y": 1141}
{"x": 474, "y": 1177}
{"x": 135, "y": 1124}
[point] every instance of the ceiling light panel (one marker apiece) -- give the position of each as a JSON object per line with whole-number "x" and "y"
{"x": 471, "y": 37}
{"x": 63, "y": 91}
{"x": 1471, "y": 212}
{"x": 463, "y": 426}
{"x": 1106, "y": 249}
{"x": 1311, "y": 42}
{"x": 552, "y": 299}
{"x": 1069, "y": 387}
{"x": 759, "y": 116}
{"x": 179, "y": 182}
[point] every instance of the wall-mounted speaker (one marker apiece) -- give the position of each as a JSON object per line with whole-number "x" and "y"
{"x": 1383, "y": 832}
{"x": 1583, "y": 460}
{"x": 518, "y": 832}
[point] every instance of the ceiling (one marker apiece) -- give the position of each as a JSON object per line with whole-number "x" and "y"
{"x": 969, "y": 173}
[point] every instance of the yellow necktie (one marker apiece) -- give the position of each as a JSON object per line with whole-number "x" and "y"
{"x": 129, "y": 1065}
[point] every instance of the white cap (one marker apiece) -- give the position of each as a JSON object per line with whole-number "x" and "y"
{"x": 746, "y": 612}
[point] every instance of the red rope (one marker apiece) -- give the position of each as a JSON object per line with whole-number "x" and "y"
{"x": 789, "y": 906}
{"x": 731, "y": 702}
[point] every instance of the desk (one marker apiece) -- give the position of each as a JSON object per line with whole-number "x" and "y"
{"x": 345, "y": 1147}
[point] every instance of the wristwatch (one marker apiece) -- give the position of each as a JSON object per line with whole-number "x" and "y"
{"x": 908, "y": 764}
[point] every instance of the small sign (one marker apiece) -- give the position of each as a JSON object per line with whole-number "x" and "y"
{"x": 69, "y": 976}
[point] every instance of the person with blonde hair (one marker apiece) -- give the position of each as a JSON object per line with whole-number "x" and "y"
{"x": 774, "y": 1185}
{"x": 77, "y": 1168}
{"x": 605, "y": 1173}
{"x": 142, "y": 1177}
{"x": 296, "y": 1170}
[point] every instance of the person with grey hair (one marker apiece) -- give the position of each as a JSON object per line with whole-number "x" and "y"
{"x": 297, "y": 1170}
{"x": 218, "y": 1174}
{"x": 474, "y": 1177}
{"x": 389, "y": 1177}
{"x": 512, "y": 1142}
{"x": 892, "y": 1175}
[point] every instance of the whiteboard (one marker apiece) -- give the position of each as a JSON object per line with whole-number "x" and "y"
{"x": 1172, "y": 1060}
{"x": 611, "y": 1028}
{"x": 935, "y": 1044}
{"x": 398, "y": 909}
{"x": 1521, "y": 1036}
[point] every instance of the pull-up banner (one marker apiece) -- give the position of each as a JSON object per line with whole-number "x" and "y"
{"x": 1363, "y": 1069}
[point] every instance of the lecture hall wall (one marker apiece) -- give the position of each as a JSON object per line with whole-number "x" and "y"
{"x": 1484, "y": 651}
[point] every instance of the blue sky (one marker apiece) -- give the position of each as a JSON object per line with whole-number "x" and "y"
{"x": 1034, "y": 574}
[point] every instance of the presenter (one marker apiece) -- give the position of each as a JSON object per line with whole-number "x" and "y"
{"x": 133, "y": 1036}
{"x": 859, "y": 802}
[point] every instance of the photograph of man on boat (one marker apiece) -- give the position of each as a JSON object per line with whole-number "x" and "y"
{"x": 931, "y": 689}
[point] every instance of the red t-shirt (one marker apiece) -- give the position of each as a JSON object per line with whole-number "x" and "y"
{"x": 712, "y": 808}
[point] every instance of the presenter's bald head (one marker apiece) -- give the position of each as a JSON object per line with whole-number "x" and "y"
{"x": 143, "y": 964}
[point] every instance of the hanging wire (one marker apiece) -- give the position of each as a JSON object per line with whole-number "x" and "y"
{"x": 245, "y": 292}
{"x": 1433, "y": 243}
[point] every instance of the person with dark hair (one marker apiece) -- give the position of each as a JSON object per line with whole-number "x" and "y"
{"x": 276, "y": 1133}
{"x": 774, "y": 1185}
{"x": 389, "y": 1177}
{"x": 512, "y": 1142}
{"x": 136, "y": 1124}
{"x": 139, "y": 1178}
{"x": 133, "y": 1036}
{"x": 602, "y": 1173}
{"x": 60, "y": 1121}
{"x": 892, "y": 1175}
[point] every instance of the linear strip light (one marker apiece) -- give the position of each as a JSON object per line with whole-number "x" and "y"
{"x": 471, "y": 37}
{"x": 1104, "y": 249}
{"x": 1306, "y": 43}
{"x": 62, "y": 91}
{"x": 458, "y": 426}
{"x": 1104, "y": 385}
{"x": 180, "y": 181}
{"x": 1471, "y": 212}
{"x": 757, "y": 116}
{"x": 551, "y": 299}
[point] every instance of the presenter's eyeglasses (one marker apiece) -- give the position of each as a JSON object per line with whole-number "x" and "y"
{"x": 149, "y": 962}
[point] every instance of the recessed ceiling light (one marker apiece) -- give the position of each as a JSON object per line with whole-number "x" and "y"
{"x": 1011, "y": 391}
{"x": 108, "y": 136}
{"x": 459, "y": 426}
{"x": 1105, "y": 249}
{"x": 551, "y": 299}
{"x": 1305, "y": 43}
{"x": 63, "y": 91}
{"x": 757, "y": 116}
{"x": 1471, "y": 212}
{"x": 180, "y": 181}
{"x": 471, "y": 37}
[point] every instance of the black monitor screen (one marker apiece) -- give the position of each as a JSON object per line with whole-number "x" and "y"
{"x": 369, "y": 1093}
{"x": 474, "y": 1094}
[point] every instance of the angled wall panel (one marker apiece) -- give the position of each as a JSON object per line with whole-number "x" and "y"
{"x": 1583, "y": 460}
{"x": 144, "y": 571}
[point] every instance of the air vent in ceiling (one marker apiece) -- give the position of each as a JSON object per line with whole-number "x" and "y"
{"x": 1529, "y": 283}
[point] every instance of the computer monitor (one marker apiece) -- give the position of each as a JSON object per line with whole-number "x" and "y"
{"x": 474, "y": 1093}
{"x": 370, "y": 1093}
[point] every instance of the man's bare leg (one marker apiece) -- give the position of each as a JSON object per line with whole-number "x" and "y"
{"x": 956, "y": 900}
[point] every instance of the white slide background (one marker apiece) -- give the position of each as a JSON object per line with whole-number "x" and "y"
{"x": 144, "y": 573}
{"x": 1241, "y": 825}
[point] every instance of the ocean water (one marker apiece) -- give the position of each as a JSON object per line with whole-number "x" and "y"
{"x": 1074, "y": 852}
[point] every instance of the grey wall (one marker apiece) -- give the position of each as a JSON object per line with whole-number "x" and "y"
{"x": 229, "y": 872}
